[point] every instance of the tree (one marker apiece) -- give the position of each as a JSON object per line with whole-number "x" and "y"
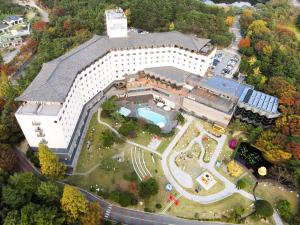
{"x": 12, "y": 197}
{"x": 258, "y": 28}
{"x": 50, "y": 165}
{"x": 24, "y": 183}
{"x": 48, "y": 216}
{"x": 1, "y": 59}
{"x": 73, "y": 203}
{"x": 263, "y": 208}
{"x": 93, "y": 215}
{"x": 108, "y": 138}
{"x": 148, "y": 188}
{"x": 298, "y": 22}
{"x": 49, "y": 192}
{"x": 244, "y": 42}
{"x": 285, "y": 210}
{"x": 108, "y": 107}
{"x": 234, "y": 169}
{"x": 238, "y": 211}
{"x": 241, "y": 184}
{"x": 7, "y": 157}
{"x": 12, "y": 218}
{"x": 229, "y": 21}
{"x": 171, "y": 26}
{"x": 128, "y": 128}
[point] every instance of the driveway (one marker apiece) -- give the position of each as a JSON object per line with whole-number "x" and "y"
{"x": 43, "y": 13}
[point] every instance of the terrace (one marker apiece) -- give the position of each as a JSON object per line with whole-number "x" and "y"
{"x": 149, "y": 81}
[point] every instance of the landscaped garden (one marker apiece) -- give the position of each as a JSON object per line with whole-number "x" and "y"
{"x": 210, "y": 145}
{"x": 188, "y": 136}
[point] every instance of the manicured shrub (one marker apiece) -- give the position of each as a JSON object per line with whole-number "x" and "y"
{"x": 263, "y": 208}
{"x": 158, "y": 206}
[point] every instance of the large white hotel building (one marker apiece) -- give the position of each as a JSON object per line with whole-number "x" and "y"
{"x": 56, "y": 106}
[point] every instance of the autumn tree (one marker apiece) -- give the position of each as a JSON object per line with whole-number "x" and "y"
{"x": 93, "y": 214}
{"x": 7, "y": 157}
{"x": 73, "y": 203}
{"x": 39, "y": 25}
{"x": 244, "y": 42}
{"x": 258, "y": 28}
{"x": 229, "y": 21}
{"x": 50, "y": 165}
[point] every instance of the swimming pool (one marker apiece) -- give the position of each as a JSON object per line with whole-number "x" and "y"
{"x": 124, "y": 111}
{"x": 151, "y": 116}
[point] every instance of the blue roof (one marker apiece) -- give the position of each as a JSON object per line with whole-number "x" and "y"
{"x": 12, "y": 18}
{"x": 223, "y": 85}
{"x": 259, "y": 100}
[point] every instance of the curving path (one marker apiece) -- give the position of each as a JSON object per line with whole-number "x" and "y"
{"x": 229, "y": 189}
{"x": 119, "y": 135}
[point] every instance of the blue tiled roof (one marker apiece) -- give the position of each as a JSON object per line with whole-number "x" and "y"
{"x": 259, "y": 100}
{"x": 223, "y": 85}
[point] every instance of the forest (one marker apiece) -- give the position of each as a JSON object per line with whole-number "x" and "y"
{"x": 271, "y": 61}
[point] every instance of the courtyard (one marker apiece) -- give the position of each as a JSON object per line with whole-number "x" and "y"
{"x": 191, "y": 162}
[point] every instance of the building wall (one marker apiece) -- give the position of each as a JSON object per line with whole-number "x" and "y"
{"x": 116, "y": 27}
{"x": 53, "y": 132}
{"x": 204, "y": 111}
{"x": 113, "y": 67}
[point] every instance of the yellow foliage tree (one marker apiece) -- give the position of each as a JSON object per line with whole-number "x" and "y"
{"x": 256, "y": 71}
{"x": 267, "y": 50}
{"x": 172, "y": 26}
{"x": 234, "y": 169}
{"x": 229, "y": 21}
{"x": 73, "y": 203}
{"x": 50, "y": 165}
{"x": 128, "y": 15}
{"x": 247, "y": 13}
{"x": 258, "y": 27}
{"x": 252, "y": 60}
{"x": 93, "y": 215}
{"x": 4, "y": 84}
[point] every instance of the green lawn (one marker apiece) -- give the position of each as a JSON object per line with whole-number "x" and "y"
{"x": 188, "y": 136}
{"x": 218, "y": 211}
{"x": 209, "y": 147}
{"x": 273, "y": 193}
{"x": 96, "y": 153}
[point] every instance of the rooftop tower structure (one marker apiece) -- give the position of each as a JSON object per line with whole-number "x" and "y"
{"x": 116, "y": 23}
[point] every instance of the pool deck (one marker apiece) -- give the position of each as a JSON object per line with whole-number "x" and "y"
{"x": 169, "y": 115}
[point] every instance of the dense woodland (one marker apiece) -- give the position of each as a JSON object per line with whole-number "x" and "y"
{"x": 270, "y": 59}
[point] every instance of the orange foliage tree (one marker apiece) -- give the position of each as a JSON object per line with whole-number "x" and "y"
{"x": 244, "y": 42}
{"x": 39, "y": 25}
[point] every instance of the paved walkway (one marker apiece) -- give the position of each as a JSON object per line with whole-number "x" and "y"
{"x": 229, "y": 189}
{"x": 119, "y": 135}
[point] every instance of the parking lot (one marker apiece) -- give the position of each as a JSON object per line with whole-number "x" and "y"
{"x": 225, "y": 63}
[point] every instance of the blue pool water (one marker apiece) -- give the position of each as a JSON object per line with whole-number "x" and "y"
{"x": 151, "y": 116}
{"x": 124, "y": 111}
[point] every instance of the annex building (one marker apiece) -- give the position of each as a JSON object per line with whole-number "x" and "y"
{"x": 171, "y": 67}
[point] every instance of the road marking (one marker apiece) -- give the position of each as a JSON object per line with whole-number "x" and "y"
{"x": 108, "y": 211}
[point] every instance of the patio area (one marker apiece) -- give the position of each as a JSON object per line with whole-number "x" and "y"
{"x": 141, "y": 107}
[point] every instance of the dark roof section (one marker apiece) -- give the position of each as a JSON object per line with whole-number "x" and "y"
{"x": 168, "y": 73}
{"x": 56, "y": 77}
{"x": 3, "y": 25}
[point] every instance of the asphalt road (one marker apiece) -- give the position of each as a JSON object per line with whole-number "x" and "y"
{"x": 119, "y": 214}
